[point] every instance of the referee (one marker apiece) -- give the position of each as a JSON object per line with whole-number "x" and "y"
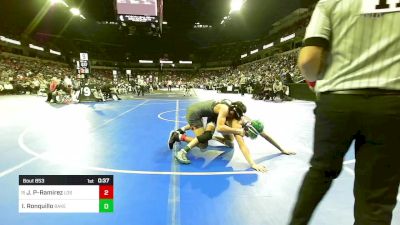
{"x": 352, "y": 51}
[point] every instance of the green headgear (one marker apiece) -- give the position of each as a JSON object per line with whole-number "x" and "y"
{"x": 255, "y": 128}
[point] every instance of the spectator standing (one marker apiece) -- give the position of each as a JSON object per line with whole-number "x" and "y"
{"x": 52, "y": 89}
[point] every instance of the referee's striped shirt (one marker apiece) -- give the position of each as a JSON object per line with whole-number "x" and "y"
{"x": 362, "y": 38}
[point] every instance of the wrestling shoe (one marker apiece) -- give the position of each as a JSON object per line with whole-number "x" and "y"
{"x": 181, "y": 157}
{"x": 173, "y": 137}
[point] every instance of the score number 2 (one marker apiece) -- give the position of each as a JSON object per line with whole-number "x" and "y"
{"x": 384, "y": 5}
{"x": 106, "y": 193}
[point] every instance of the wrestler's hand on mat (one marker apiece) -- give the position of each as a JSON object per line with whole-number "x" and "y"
{"x": 259, "y": 168}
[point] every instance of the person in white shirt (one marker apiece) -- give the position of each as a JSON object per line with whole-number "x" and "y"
{"x": 141, "y": 85}
{"x": 169, "y": 84}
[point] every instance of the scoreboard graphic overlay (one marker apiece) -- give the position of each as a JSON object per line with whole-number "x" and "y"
{"x": 66, "y": 194}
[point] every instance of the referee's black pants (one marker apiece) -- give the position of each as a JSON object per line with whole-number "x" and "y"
{"x": 374, "y": 123}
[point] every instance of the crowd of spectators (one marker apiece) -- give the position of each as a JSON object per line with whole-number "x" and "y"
{"x": 28, "y": 75}
{"x": 265, "y": 79}
{"x": 24, "y": 75}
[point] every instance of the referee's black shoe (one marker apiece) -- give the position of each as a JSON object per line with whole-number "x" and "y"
{"x": 173, "y": 137}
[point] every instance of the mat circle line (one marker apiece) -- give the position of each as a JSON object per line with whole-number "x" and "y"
{"x": 162, "y": 118}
